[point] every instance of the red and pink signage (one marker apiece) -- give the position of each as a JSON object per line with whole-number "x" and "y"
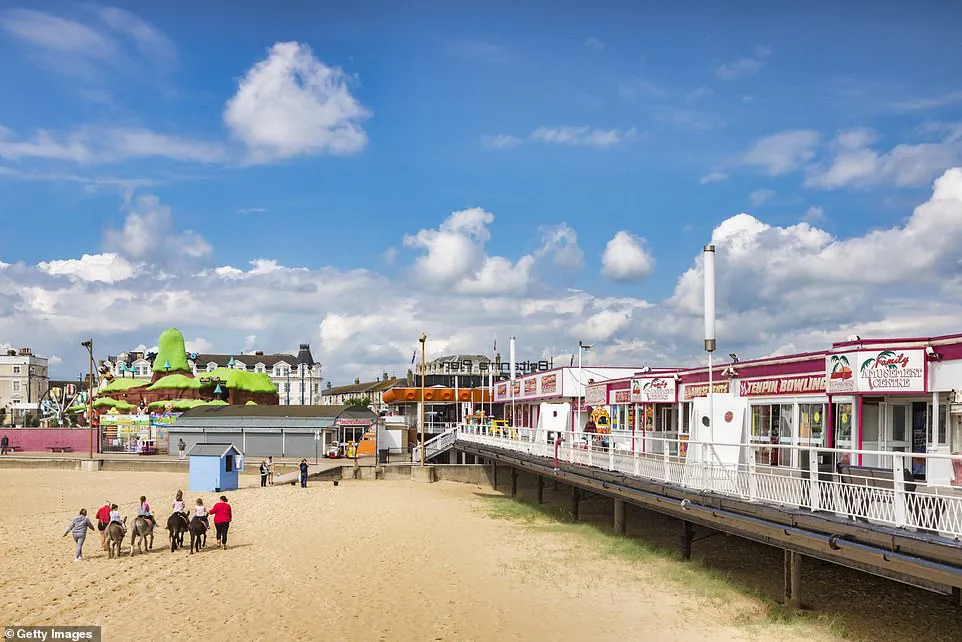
{"x": 530, "y": 386}
{"x": 877, "y": 371}
{"x": 813, "y": 384}
{"x": 654, "y": 390}
{"x": 621, "y": 396}
{"x": 549, "y": 384}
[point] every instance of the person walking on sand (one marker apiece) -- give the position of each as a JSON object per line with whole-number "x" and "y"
{"x": 181, "y": 449}
{"x": 4, "y": 444}
{"x": 303, "y": 468}
{"x": 79, "y": 527}
{"x": 264, "y": 471}
{"x": 103, "y": 519}
{"x": 222, "y": 517}
{"x": 270, "y": 470}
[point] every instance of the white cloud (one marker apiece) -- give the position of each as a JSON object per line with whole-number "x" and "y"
{"x": 782, "y": 152}
{"x": 779, "y": 289}
{"x": 148, "y": 234}
{"x": 760, "y": 196}
{"x": 856, "y": 164}
{"x": 814, "y": 214}
{"x": 713, "y": 177}
{"x": 500, "y": 141}
{"x": 626, "y": 258}
{"x": 561, "y": 242}
{"x": 106, "y": 268}
{"x": 199, "y": 345}
{"x": 583, "y": 136}
{"x": 595, "y": 43}
{"x": 748, "y": 65}
{"x": 292, "y": 104}
{"x": 91, "y": 50}
{"x": 932, "y": 102}
{"x": 91, "y": 145}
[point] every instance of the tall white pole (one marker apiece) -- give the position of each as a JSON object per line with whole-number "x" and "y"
{"x": 457, "y": 401}
{"x": 511, "y": 357}
{"x": 709, "y": 267}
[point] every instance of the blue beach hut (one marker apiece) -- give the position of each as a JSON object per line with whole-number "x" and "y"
{"x": 214, "y": 467}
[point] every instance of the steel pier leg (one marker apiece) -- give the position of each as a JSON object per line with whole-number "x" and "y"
{"x": 793, "y": 579}
{"x": 575, "y": 496}
{"x": 687, "y": 534}
{"x": 540, "y": 489}
{"x": 619, "y": 516}
{"x": 494, "y": 474}
{"x": 514, "y": 481}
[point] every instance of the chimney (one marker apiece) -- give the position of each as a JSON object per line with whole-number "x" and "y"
{"x": 357, "y": 380}
{"x": 329, "y": 385}
{"x": 384, "y": 377}
{"x": 259, "y": 353}
{"x": 25, "y": 352}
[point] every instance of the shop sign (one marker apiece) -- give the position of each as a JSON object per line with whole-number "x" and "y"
{"x": 891, "y": 371}
{"x": 874, "y": 371}
{"x": 620, "y": 396}
{"x": 782, "y": 386}
{"x": 654, "y": 390}
{"x": 516, "y": 388}
{"x": 596, "y": 394}
{"x": 501, "y": 391}
{"x": 693, "y": 391}
{"x": 549, "y": 384}
{"x": 530, "y": 387}
{"x": 839, "y": 373}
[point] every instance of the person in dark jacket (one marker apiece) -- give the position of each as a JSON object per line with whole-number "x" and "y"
{"x": 4, "y": 444}
{"x": 264, "y": 470}
{"x": 303, "y": 468}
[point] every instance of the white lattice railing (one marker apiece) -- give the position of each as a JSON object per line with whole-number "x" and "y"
{"x": 435, "y": 445}
{"x": 883, "y": 496}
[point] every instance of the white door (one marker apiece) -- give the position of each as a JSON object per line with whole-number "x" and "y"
{"x": 871, "y": 418}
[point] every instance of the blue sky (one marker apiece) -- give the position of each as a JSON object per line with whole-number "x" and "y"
{"x": 134, "y": 122}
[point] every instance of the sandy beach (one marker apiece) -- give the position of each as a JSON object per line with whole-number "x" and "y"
{"x": 360, "y": 561}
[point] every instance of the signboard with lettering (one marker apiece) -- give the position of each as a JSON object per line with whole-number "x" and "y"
{"x": 549, "y": 384}
{"x": 501, "y": 391}
{"x": 654, "y": 390}
{"x": 803, "y": 385}
{"x": 621, "y": 396}
{"x": 530, "y": 387}
{"x": 875, "y": 371}
{"x": 695, "y": 390}
{"x": 595, "y": 395}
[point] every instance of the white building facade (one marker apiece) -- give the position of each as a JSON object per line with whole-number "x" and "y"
{"x": 24, "y": 379}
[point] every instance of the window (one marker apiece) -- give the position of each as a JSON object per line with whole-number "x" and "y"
{"x": 811, "y": 424}
{"x": 16, "y": 370}
{"x": 16, "y": 386}
{"x": 229, "y": 463}
{"x": 843, "y": 425}
{"x": 259, "y": 367}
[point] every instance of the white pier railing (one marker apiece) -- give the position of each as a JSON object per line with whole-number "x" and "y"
{"x": 804, "y": 477}
{"x": 435, "y": 445}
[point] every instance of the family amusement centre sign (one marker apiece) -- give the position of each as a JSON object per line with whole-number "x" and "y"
{"x": 874, "y": 371}
{"x": 653, "y": 390}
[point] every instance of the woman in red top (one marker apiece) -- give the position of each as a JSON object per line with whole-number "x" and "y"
{"x": 222, "y": 516}
{"x": 103, "y": 518}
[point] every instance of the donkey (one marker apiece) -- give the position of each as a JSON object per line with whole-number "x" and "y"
{"x": 141, "y": 535}
{"x": 115, "y": 538}
{"x": 198, "y": 535}
{"x": 177, "y": 525}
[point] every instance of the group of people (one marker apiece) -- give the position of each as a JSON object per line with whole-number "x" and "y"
{"x": 109, "y": 514}
{"x": 267, "y": 472}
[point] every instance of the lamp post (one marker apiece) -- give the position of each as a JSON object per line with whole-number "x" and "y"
{"x": 423, "y": 340}
{"x": 709, "y": 267}
{"x": 582, "y": 347}
{"x": 89, "y": 344}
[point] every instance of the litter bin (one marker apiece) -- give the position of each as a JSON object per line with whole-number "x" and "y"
{"x": 382, "y": 456}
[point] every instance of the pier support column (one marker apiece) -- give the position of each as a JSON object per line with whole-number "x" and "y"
{"x": 575, "y": 497}
{"x": 619, "y": 516}
{"x": 793, "y": 579}
{"x": 514, "y": 481}
{"x": 540, "y": 489}
{"x": 494, "y": 474}
{"x": 687, "y": 534}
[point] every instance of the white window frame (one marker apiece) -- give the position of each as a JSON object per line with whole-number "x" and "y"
{"x": 16, "y": 370}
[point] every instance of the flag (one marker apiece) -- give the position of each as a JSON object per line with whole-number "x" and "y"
{"x": 496, "y": 345}
{"x": 414, "y": 356}
{"x": 572, "y": 363}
